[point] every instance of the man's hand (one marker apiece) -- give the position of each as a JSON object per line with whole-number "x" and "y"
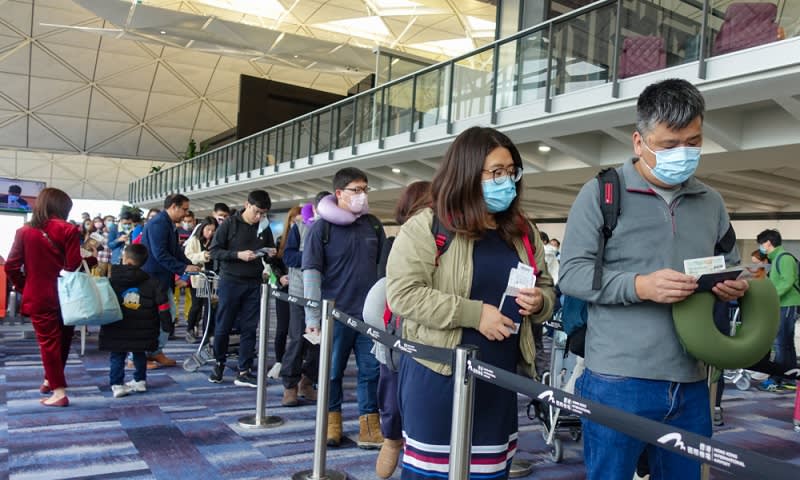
{"x": 246, "y": 255}
{"x": 284, "y": 280}
{"x": 180, "y": 283}
{"x": 530, "y": 300}
{"x": 665, "y": 286}
{"x": 123, "y": 238}
{"x": 192, "y": 268}
{"x": 730, "y": 289}
{"x": 494, "y": 325}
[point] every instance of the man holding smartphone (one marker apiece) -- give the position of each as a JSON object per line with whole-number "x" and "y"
{"x": 238, "y": 247}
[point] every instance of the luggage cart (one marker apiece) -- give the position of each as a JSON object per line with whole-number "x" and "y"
{"x": 554, "y": 421}
{"x": 205, "y": 283}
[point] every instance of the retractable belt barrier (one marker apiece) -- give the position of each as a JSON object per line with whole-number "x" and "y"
{"x": 704, "y": 449}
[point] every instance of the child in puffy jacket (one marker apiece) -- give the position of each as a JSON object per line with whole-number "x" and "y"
{"x": 145, "y": 311}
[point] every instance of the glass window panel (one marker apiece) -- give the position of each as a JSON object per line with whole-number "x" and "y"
{"x": 431, "y": 100}
{"x": 583, "y": 50}
{"x": 472, "y": 89}
{"x": 397, "y": 108}
{"x": 367, "y": 122}
{"x": 737, "y": 26}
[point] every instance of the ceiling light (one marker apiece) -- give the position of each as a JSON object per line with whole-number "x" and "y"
{"x": 395, "y": 170}
{"x": 544, "y": 148}
{"x": 163, "y": 32}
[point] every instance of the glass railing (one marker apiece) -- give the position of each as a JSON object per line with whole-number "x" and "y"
{"x": 598, "y": 44}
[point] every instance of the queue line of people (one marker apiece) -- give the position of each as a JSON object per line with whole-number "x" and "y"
{"x": 634, "y": 360}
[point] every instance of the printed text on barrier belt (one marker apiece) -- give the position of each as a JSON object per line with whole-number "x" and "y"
{"x": 303, "y": 302}
{"x": 416, "y": 350}
{"x": 733, "y": 459}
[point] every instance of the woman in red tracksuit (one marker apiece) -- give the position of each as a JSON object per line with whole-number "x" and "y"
{"x": 42, "y": 248}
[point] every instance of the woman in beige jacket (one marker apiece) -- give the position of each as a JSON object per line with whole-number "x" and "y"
{"x": 476, "y": 196}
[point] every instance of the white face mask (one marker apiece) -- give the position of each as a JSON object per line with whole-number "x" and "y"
{"x": 186, "y": 225}
{"x": 358, "y": 203}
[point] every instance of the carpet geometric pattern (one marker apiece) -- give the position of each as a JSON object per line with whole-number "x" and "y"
{"x": 184, "y": 427}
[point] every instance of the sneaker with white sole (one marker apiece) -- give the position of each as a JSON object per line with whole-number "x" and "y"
{"x": 245, "y": 379}
{"x": 275, "y": 372}
{"x": 120, "y": 390}
{"x": 134, "y": 386}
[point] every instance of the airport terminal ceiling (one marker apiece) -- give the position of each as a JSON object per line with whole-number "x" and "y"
{"x": 94, "y": 93}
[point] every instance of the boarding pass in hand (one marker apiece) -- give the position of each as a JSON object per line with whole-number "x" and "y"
{"x": 520, "y": 277}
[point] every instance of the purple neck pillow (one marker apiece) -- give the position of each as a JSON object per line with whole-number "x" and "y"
{"x": 308, "y": 213}
{"x": 328, "y": 210}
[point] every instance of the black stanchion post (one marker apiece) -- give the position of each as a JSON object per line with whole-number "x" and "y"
{"x": 261, "y": 419}
{"x": 463, "y": 405}
{"x": 323, "y": 392}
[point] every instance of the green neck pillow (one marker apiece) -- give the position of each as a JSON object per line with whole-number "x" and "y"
{"x": 760, "y": 313}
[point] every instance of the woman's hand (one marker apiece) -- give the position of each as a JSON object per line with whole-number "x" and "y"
{"x": 530, "y": 300}
{"x": 494, "y": 325}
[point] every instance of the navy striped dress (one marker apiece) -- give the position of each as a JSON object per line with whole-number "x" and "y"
{"x": 426, "y": 397}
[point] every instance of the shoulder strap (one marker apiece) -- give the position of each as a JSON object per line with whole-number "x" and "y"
{"x": 53, "y": 244}
{"x": 778, "y": 268}
{"x": 326, "y": 231}
{"x": 529, "y": 248}
{"x": 377, "y": 226}
{"x": 608, "y": 180}
{"x": 442, "y": 236}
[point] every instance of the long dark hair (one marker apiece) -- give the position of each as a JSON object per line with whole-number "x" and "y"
{"x": 414, "y": 198}
{"x": 456, "y": 188}
{"x": 198, "y": 232}
{"x": 51, "y": 202}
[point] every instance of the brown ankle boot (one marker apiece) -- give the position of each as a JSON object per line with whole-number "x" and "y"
{"x": 306, "y": 390}
{"x": 334, "y": 429}
{"x": 388, "y": 457}
{"x": 369, "y": 435}
{"x": 290, "y": 397}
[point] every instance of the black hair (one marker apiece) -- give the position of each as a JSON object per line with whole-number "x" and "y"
{"x": 15, "y": 189}
{"x": 545, "y": 238}
{"x": 771, "y": 235}
{"x": 126, "y": 215}
{"x": 673, "y": 102}
{"x": 189, "y": 214}
{"x": 346, "y": 175}
{"x": 198, "y": 231}
{"x": 320, "y": 196}
{"x": 136, "y": 253}
{"x": 222, "y": 207}
{"x": 260, "y": 199}
{"x": 175, "y": 199}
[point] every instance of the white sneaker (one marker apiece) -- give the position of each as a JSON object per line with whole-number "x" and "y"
{"x": 120, "y": 390}
{"x": 275, "y": 371}
{"x": 135, "y": 386}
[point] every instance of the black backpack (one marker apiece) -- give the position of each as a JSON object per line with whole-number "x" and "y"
{"x": 575, "y": 325}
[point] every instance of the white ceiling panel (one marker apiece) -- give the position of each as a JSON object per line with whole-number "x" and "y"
{"x": 102, "y": 130}
{"x": 17, "y": 61}
{"x": 72, "y": 128}
{"x": 44, "y": 90}
{"x": 151, "y": 147}
{"x": 14, "y": 134}
{"x": 183, "y": 115}
{"x": 15, "y": 87}
{"x": 126, "y": 145}
{"x": 134, "y": 101}
{"x": 71, "y": 105}
{"x": 209, "y": 120}
{"x": 136, "y": 79}
{"x": 82, "y": 59}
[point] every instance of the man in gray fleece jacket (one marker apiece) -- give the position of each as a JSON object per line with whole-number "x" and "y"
{"x": 634, "y": 359}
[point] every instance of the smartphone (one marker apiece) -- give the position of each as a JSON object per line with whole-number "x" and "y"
{"x": 268, "y": 251}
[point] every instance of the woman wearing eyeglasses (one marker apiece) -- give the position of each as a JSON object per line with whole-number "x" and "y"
{"x": 476, "y": 196}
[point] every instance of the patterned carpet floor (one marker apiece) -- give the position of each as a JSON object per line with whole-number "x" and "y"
{"x": 184, "y": 427}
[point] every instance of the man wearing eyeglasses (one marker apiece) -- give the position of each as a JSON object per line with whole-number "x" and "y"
{"x": 238, "y": 246}
{"x": 165, "y": 259}
{"x": 340, "y": 263}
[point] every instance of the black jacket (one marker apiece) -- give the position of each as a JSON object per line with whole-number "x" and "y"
{"x": 236, "y": 235}
{"x": 145, "y": 311}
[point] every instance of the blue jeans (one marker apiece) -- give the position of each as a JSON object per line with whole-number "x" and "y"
{"x": 785, "y": 354}
{"x": 163, "y": 337}
{"x": 611, "y": 455}
{"x": 239, "y": 304}
{"x": 116, "y": 371}
{"x": 346, "y": 340}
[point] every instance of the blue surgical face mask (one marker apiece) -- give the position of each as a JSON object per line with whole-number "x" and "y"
{"x": 762, "y": 249}
{"x": 498, "y": 197}
{"x": 126, "y": 227}
{"x": 12, "y": 198}
{"x": 674, "y": 165}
